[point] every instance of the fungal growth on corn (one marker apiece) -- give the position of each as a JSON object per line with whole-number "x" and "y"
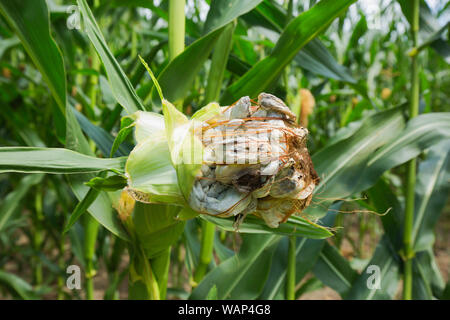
{"x": 255, "y": 161}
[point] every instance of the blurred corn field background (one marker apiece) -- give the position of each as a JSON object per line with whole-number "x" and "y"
{"x": 369, "y": 79}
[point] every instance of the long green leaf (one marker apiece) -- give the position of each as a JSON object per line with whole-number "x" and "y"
{"x": 223, "y": 12}
{"x": 313, "y": 57}
{"x": 54, "y": 160}
{"x": 316, "y": 58}
{"x": 219, "y": 63}
{"x": 294, "y": 226}
{"x": 432, "y": 190}
{"x": 103, "y": 139}
{"x": 30, "y": 20}
{"x": 340, "y": 164}
{"x": 120, "y": 85}
{"x": 354, "y": 164}
{"x": 297, "y": 34}
{"x": 420, "y": 133}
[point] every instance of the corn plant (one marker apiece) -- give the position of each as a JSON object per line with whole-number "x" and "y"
{"x": 102, "y": 105}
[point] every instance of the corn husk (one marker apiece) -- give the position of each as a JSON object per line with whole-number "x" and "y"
{"x": 151, "y": 175}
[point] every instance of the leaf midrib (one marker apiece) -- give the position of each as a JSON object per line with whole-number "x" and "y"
{"x": 427, "y": 197}
{"x": 401, "y": 139}
{"x": 247, "y": 266}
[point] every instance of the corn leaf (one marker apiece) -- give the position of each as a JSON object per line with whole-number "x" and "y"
{"x": 340, "y": 165}
{"x": 18, "y": 287}
{"x": 30, "y": 20}
{"x": 340, "y": 174}
{"x": 334, "y": 270}
{"x": 420, "y": 133}
{"x": 223, "y": 12}
{"x": 388, "y": 262}
{"x": 54, "y": 160}
{"x": 314, "y": 57}
{"x": 297, "y": 34}
{"x": 111, "y": 183}
{"x": 307, "y": 252}
{"x": 431, "y": 194}
{"x": 243, "y": 275}
{"x": 294, "y": 226}
{"x": 103, "y": 139}
{"x": 120, "y": 85}
{"x": 428, "y": 283}
{"x": 81, "y": 208}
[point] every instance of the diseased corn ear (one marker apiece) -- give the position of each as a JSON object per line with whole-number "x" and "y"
{"x": 247, "y": 158}
{"x": 255, "y": 161}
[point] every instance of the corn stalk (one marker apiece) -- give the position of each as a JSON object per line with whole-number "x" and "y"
{"x": 411, "y": 165}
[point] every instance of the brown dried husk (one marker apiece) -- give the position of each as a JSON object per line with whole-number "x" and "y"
{"x": 266, "y": 196}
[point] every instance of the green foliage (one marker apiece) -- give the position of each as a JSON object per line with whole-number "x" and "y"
{"x": 76, "y": 130}
{"x": 35, "y": 36}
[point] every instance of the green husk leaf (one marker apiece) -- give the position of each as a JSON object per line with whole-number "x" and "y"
{"x": 150, "y": 171}
{"x": 207, "y": 112}
{"x": 157, "y": 227}
{"x": 186, "y": 150}
{"x": 146, "y": 123}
